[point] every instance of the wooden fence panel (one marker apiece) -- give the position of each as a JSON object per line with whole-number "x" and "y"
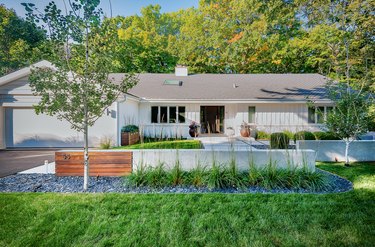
{"x": 70, "y": 163}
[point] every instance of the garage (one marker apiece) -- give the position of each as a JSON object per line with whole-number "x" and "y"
{"x": 24, "y": 128}
{"x": 21, "y": 127}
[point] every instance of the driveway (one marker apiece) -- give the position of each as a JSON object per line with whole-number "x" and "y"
{"x": 13, "y": 161}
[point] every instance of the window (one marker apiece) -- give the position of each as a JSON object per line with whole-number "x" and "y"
{"x": 317, "y": 115}
{"x": 172, "y": 114}
{"x": 181, "y": 114}
{"x": 251, "y": 114}
{"x": 168, "y": 114}
{"x": 311, "y": 115}
{"x": 320, "y": 114}
{"x": 163, "y": 114}
{"x": 154, "y": 114}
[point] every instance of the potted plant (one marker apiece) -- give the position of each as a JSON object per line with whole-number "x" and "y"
{"x": 129, "y": 135}
{"x": 245, "y": 129}
{"x": 193, "y": 129}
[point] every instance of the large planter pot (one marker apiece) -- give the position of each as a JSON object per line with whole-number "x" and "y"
{"x": 245, "y": 132}
{"x": 193, "y": 133}
{"x": 128, "y": 138}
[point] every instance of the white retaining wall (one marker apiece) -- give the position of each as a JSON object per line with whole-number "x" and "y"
{"x": 189, "y": 159}
{"x": 332, "y": 150}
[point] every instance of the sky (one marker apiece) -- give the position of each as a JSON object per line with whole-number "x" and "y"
{"x": 119, "y": 7}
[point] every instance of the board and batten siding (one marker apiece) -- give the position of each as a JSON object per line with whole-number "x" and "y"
{"x": 273, "y": 117}
{"x": 269, "y": 117}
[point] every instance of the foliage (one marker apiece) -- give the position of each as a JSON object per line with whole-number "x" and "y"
{"x": 290, "y": 134}
{"x": 279, "y": 141}
{"x": 78, "y": 88}
{"x": 303, "y": 135}
{"x": 176, "y": 175}
{"x": 228, "y": 176}
{"x": 350, "y": 117}
{"x": 178, "y": 144}
{"x": 130, "y": 128}
{"x": 196, "y": 176}
{"x": 320, "y": 135}
{"x": 105, "y": 142}
{"x": 19, "y": 41}
{"x": 239, "y": 37}
{"x": 262, "y": 135}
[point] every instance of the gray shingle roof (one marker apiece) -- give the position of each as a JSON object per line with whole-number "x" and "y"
{"x": 230, "y": 87}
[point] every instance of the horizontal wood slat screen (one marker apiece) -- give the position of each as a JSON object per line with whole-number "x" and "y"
{"x": 101, "y": 163}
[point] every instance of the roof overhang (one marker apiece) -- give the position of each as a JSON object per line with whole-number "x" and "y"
{"x": 24, "y": 72}
{"x": 235, "y": 101}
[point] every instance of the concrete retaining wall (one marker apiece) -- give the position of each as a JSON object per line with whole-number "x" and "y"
{"x": 189, "y": 159}
{"x": 331, "y": 150}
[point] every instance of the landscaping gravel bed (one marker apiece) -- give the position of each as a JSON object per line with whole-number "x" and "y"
{"x": 52, "y": 183}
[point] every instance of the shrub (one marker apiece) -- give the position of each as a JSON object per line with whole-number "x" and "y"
{"x": 105, "y": 142}
{"x": 196, "y": 176}
{"x": 183, "y": 144}
{"x": 279, "y": 141}
{"x": 176, "y": 175}
{"x": 232, "y": 177}
{"x": 290, "y": 134}
{"x": 303, "y": 135}
{"x": 214, "y": 177}
{"x": 157, "y": 177}
{"x": 130, "y": 128}
{"x": 262, "y": 135}
{"x": 325, "y": 136}
{"x": 138, "y": 178}
{"x": 222, "y": 177}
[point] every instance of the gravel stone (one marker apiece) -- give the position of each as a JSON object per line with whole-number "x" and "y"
{"x": 52, "y": 183}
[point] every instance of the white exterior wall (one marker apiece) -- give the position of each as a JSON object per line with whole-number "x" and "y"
{"x": 269, "y": 117}
{"x": 26, "y": 129}
{"x": 334, "y": 150}
{"x": 190, "y": 159}
{"x": 23, "y": 128}
{"x": 274, "y": 117}
{"x": 170, "y": 130}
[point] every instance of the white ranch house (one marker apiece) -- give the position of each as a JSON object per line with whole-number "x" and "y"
{"x": 166, "y": 104}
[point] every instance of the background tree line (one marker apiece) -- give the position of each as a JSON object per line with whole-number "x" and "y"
{"x": 226, "y": 36}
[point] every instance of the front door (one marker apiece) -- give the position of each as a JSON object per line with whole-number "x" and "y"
{"x": 212, "y": 119}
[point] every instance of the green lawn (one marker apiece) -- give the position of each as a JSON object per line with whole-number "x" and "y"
{"x": 346, "y": 219}
{"x": 176, "y": 144}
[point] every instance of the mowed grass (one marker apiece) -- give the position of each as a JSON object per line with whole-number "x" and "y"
{"x": 176, "y": 144}
{"x": 345, "y": 219}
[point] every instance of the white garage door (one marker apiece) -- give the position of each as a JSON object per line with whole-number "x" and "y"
{"x": 23, "y": 128}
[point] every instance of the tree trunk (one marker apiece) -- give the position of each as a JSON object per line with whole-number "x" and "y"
{"x": 86, "y": 159}
{"x": 347, "y": 143}
{"x": 86, "y": 125}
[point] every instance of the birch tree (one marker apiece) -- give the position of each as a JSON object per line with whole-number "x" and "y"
{"x": 79, "y": 88}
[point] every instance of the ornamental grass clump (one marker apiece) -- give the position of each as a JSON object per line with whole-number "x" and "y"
{"x": 214, "y": 178}
{"x": 279, "y": 141}
{"x": 196, "y": 176}
{"x": 232, "y": 177}
{"x": 304, "y": 135}
{"x": 176, "y": 175}
{"x": 225, "y": 177}
{"x": 138, "y": 178}
{"x": 157, "y": 176}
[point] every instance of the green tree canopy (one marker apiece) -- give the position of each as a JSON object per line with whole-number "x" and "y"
{"x": 18, "y": 38}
